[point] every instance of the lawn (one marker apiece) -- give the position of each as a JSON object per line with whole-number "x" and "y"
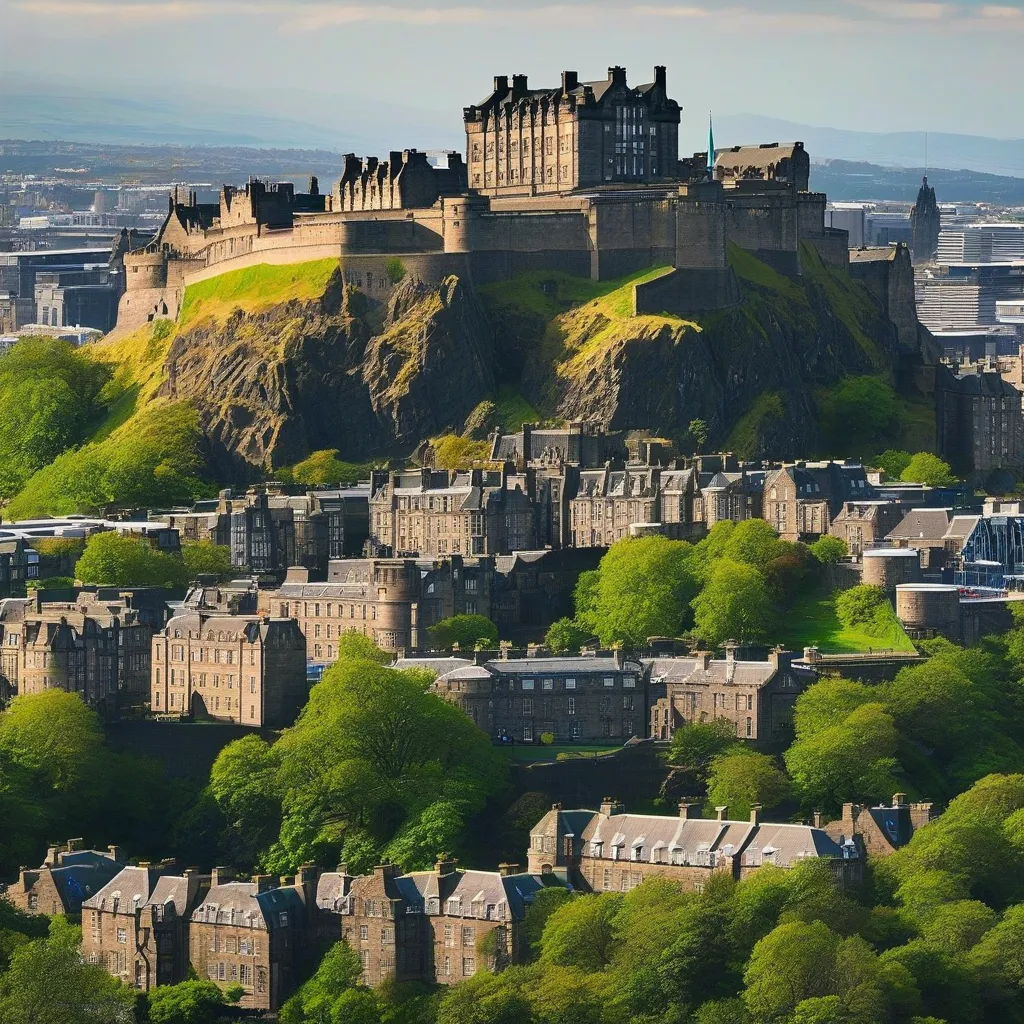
{"x": 532, "y": 752}
{"x": 812, "y": 622}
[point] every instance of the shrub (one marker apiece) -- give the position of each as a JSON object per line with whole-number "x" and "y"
{"x": 395, "y": 269}
{"x": 828, "y": 550}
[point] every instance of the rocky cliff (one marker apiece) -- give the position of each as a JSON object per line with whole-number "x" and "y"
{"x": 286, "y": 361}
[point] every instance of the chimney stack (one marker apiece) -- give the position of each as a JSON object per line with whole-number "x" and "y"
{"x": 116, "y": 853}
{"x": 899, "y": 799}
{"x": 722, "y": 813}
{"x": 755, "y": 814}
{"x": 506, "y": 870}
{"x": 688, "y": 811}
{"x": 611, "y": 806}
{"x": 222, "y": 875}
{"x": 445, "y": 867}
{"x": 570, "y": 79}
{"x": 817, "y": 819}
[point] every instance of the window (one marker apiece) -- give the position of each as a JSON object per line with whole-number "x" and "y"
{"x": 571, "y": 709}
{"x": 244, "y": 974}
{"x": 122, "y": 934}
{"x": 629, "y": 682}
{"x": 447, "y": 966}
{"x": 468, "y": 966}
{"x": 609, "y": 680}
{"x": 570, "y": 683}
{"x": 547, "y": 684}
{"x": 449, "y": 935}
{"x": 364, "y": 931}
{"x": 528, "y": 732}
{"x": 527, "y": 684}
{"x": 468, "y": 936}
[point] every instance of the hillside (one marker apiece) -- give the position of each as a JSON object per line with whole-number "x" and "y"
{"x": 269, "y": 364}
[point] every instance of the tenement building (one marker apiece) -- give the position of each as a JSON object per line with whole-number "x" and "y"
{"x": 801, "y": 500}
{"x": 250, "y": 670}
{"x": 524, "y": 141}
{"x": 881, "y": 830}
{"x": 136, "y": 926}
{"x": 432, "y": 514}
{"x": 392, "y": 601}
{"x": 257, "y": 934}
{"x": 437, "y": 927}
{"x": 756, "y": 697}
{"x": 610, "y": 850}
{"x": 582, "y": 699}
{"x": 94, "y": 647}
{"x": 66, "y": 877}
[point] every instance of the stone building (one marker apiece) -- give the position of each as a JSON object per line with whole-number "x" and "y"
{"x": 801, "y": 500}
{"x": 257, "y": 934}
{"x": 406, "y": 180}
{"x": 925, "y": 530}
{"x": 757, "y": 697}
{"x": 593, "y": 699}
{"x": 925, "y": 223}
{"x": 437, "y": 927}
{"x": 93, "y": 646}
{"x": 250, "y": 670}
{"x": 865, "y": 524}
{"x": 524, "y": 142}
{"x": 612, "y": 851}
{"x": 880, "y": 830}
{"x": 68, "y": 876}
{"x": 789, "y": 164}
{"x": 392, "y": 601}
{"x": 136, "y": 926}
{"x": 433, "y": 514}
{"x": 17, "y": 566}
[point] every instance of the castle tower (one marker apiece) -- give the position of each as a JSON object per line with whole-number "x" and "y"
{"x": 925, "y": 224}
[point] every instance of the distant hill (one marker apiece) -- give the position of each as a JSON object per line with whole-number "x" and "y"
{"x": 850, "y": 180}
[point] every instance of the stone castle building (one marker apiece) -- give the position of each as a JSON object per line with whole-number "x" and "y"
{"x": 67, "y": 877}
{"x": 527, "y": 142}
{"x": 611, "y": 851}
{"x": 250, "y": 670}
{"x": 583, "y": 178}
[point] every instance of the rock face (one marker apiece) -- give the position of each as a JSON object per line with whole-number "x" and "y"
{"x": 336, "y": 372}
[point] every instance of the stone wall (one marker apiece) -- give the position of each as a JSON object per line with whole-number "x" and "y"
{"x": 682, "y": 292}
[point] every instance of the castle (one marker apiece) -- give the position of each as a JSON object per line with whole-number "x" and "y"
{"x": 583, "y": 178}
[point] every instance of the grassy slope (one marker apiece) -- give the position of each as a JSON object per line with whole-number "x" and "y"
{"x": 812, "y": 622}
{"x": 139, "y": 421}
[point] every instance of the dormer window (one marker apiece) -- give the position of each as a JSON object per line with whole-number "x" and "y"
{"x": 433, "y": 905}
{"x": 597, "y": 849}
{"x": 455, "y": 906}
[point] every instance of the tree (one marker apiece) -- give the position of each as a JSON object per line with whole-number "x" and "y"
{"x": 699, "y": 433}
{"x": 243, "y": 781}
{"x": 118, "y": 560}
{"x": 854, "y": 759}
{"x": 735, "y": 604}
{"x": 864, "y": 605}
{"x": 828, "y": 702}
{"x": 793, "y": 963}
{"x": 580, "y": 933}
{"x": 752, "y": 542}
{"x": 324, "y": 467}
{"x": 893, "y": 462}
{"x": 203, "y": 558}
{"x": 376, "y": 758}
{"x": 643, "y": 590}
{"x": 317, "y": 1001}
{"x": 585, "y": 596}
{"x": 567, "y": 636}
{"x": 465, "y": 630}
{"x": 189, "y": 1002}
{"x": 546, "y": 902}
{"x": 353, "y": 646}
{"x": 697, "y": 744}
{"x": 47, "y": 983}
{"x": 742, "y": 779}
{"x": 926, "y": 468}
{"x": 828, "y": 549}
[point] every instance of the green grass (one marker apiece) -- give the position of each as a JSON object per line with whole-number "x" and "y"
{"x": 513, "y": 410}
{"x": 750, "y": 269}
{"x": 254, "y": 288}
{"x": 528, "y": 752}
{"x": 743, "y": 441}
{"x": 813, "y": 622}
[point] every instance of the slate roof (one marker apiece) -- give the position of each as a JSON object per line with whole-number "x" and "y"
{"x": 439, "y": 665}
{"x": 961, "y": 527}
{"x": 241, "y": 904}
{"x": 80, "y": 875}
{"x": 923, "y": 524}
{"x": 135, "y": 887}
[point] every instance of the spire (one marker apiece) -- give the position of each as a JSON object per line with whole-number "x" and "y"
{"x": 711, "y": 148}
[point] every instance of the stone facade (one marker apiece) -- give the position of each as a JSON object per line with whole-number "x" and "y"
{"x": 925, "y": 223}
{"x": 881, "y": 830}
{"x": 434, "y": 514}
{"x": 256, "y": 934}
{"x": 523, "y": 142}
{"x": 136, "y": 926}
{"x": 610, "y": 850}
{"x": 757, "y": 697}
{"x": 865, "y": 524}
{"x": 68, "y": 876}
{"x": 582, "y": 699}
{"x": 405, "y": 181}
{"x": 392, "y": 601}
{"x": 250, "y": 670}
{"x": 801, "y": 500}
{"x": 96, "y": 648}
{"x": 437, "y": 927}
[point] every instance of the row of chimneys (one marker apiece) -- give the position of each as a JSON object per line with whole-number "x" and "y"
{"x": 688, "y": 811}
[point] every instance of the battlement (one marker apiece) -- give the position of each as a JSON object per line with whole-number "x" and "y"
{"x": 406, "y": 180}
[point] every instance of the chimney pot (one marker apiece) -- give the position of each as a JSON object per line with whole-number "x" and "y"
{"x": 817, "y": 819}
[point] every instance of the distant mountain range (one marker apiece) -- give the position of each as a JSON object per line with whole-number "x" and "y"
{"x": 852, "y": 180}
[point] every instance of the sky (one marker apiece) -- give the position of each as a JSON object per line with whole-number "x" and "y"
{"x": 401, "y": 70}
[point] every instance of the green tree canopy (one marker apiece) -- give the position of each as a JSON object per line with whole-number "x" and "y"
{"x": 740, "y": 780}
{"x": 325, "y": 467}
{"x": 893, "y": 462}
{"x": 204, "y": 558}
{"x": 465, "y": 630}
{"x": 926, "y": 468}
{"x": 644, "y": 588}
{"x": 734, "y": 605}
{"x": 189, "y": 1002}
{"x": 829, "y": 550}
{"x": 119, "y": 560}
{"x": 567, "y": 636}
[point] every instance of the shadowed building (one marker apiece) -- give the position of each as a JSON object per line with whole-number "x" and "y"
{"x": 67, "y": 877}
